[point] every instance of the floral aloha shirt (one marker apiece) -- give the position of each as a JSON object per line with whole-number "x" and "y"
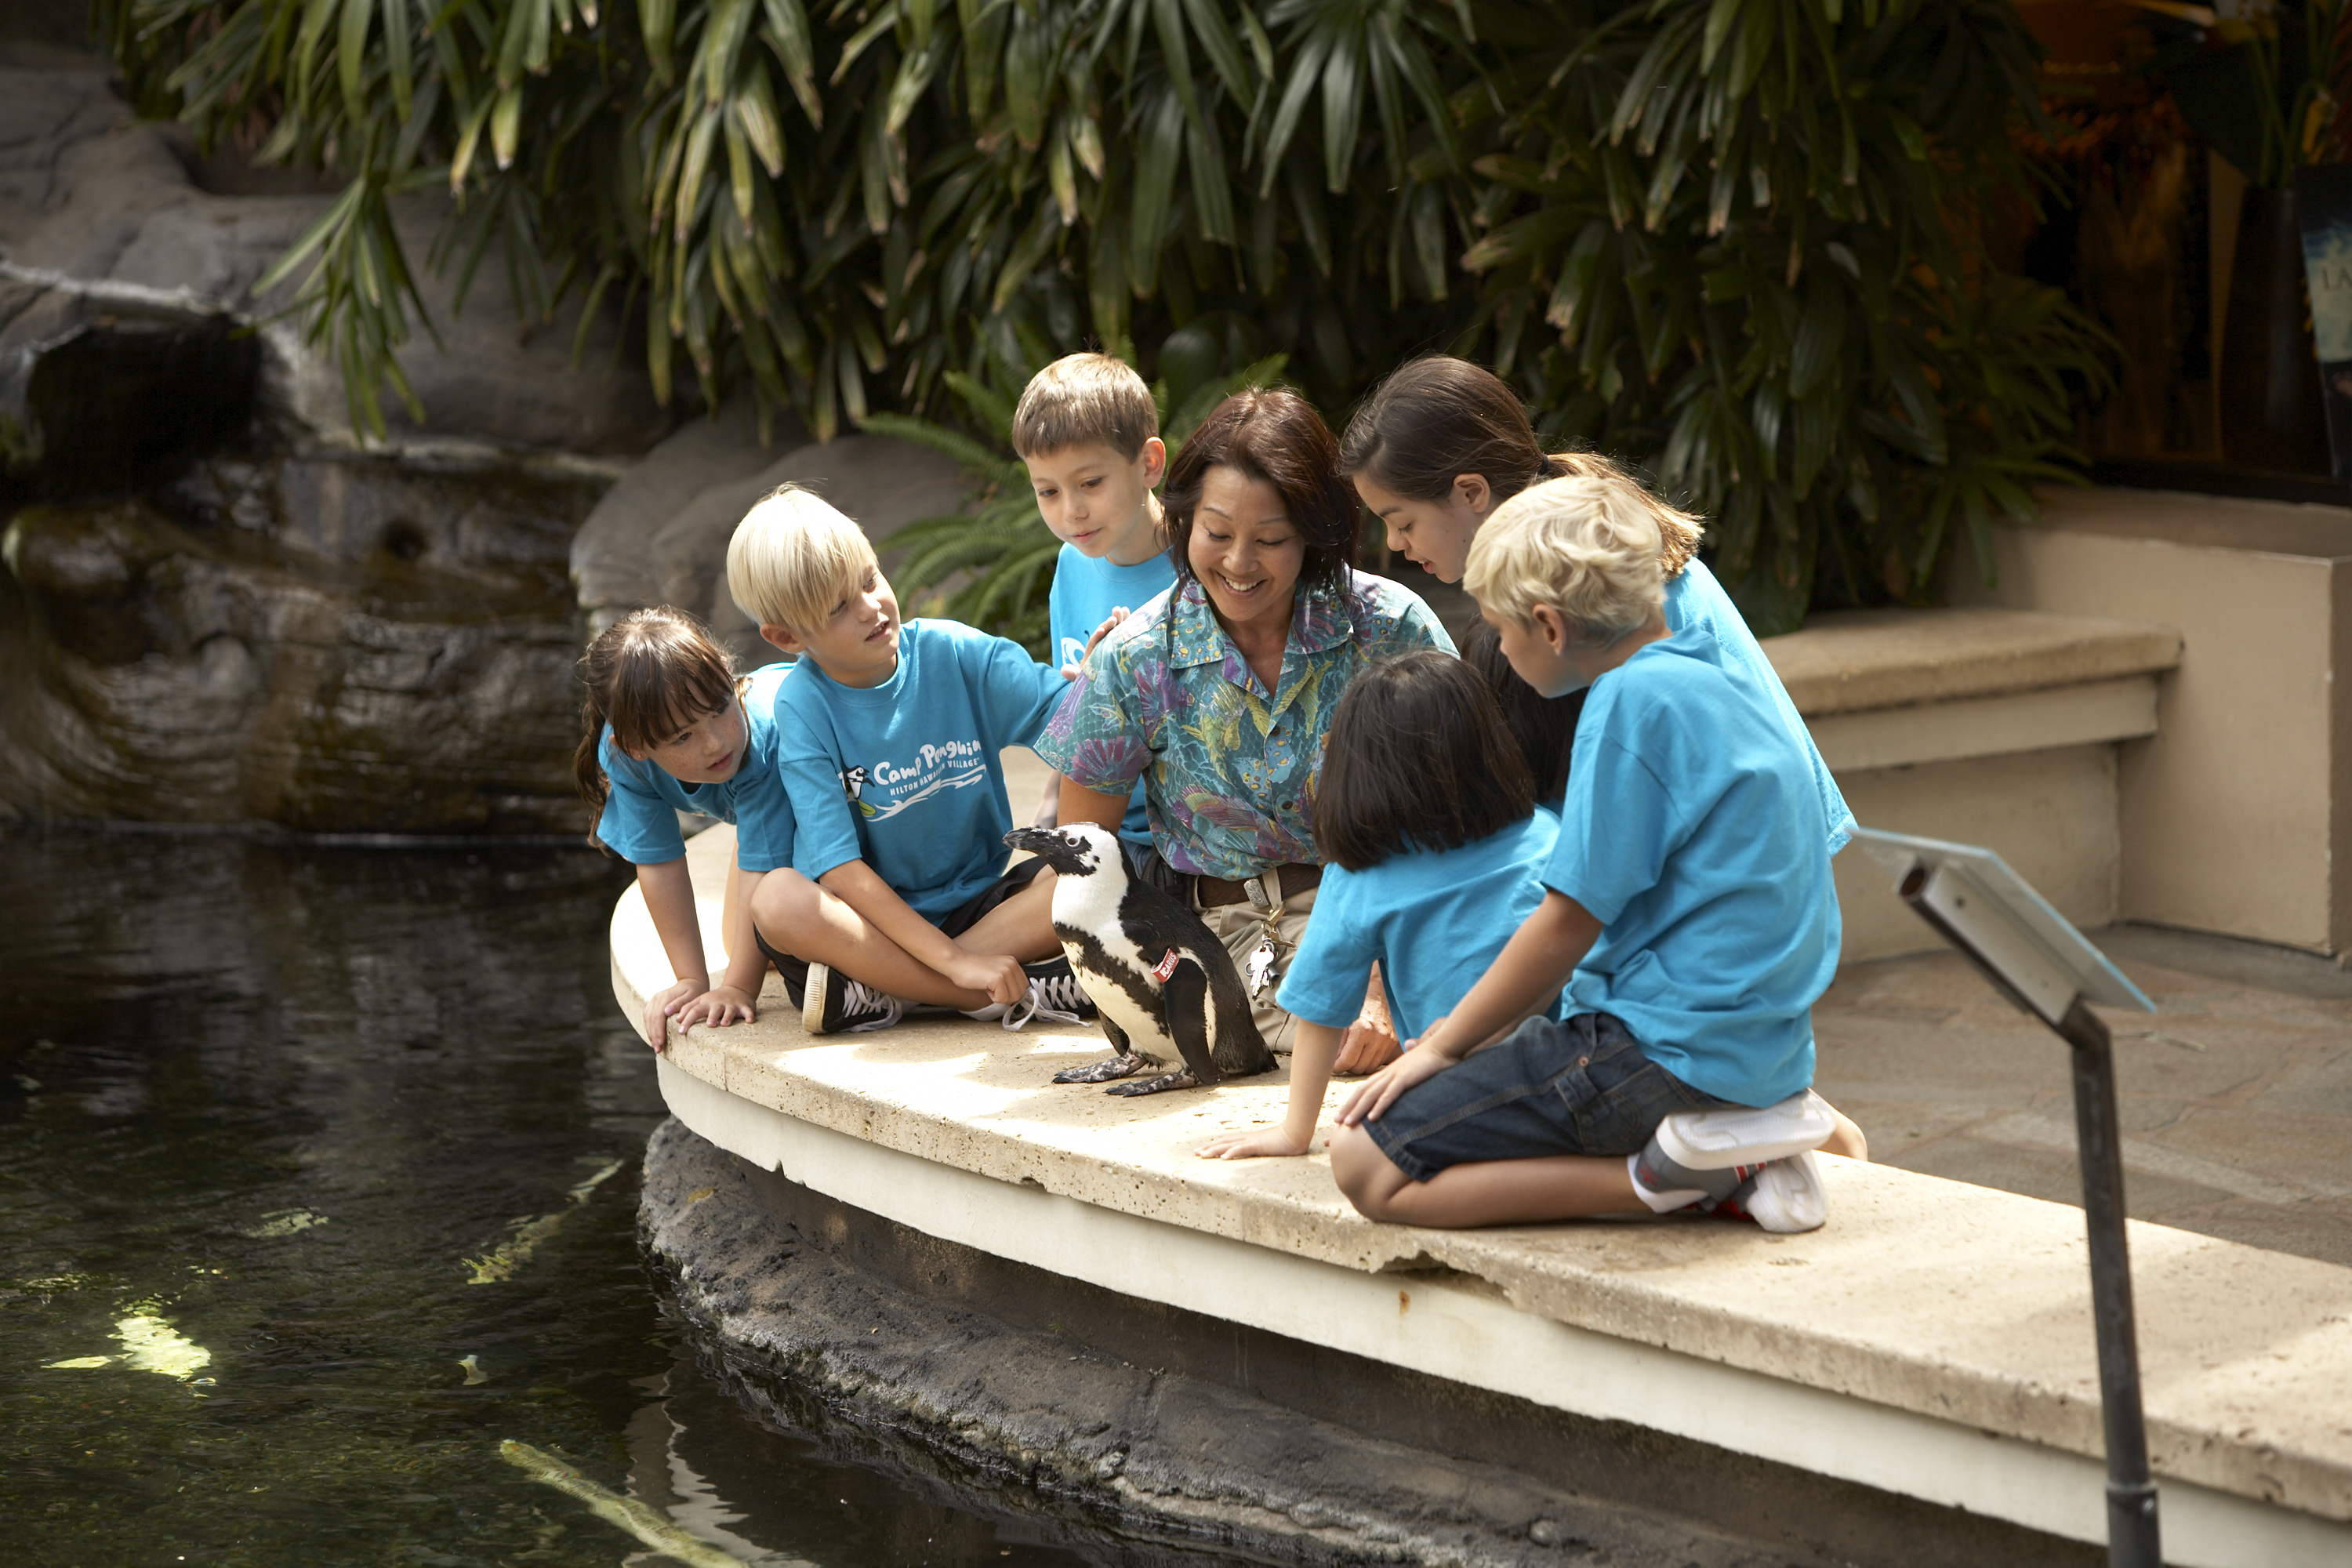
{"x": 1229, "y": 768}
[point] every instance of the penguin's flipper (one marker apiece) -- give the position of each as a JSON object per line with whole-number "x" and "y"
{"x": 1123, "y": 1065}
{"x": 1184, "y": 1009}
{"x": 1154, "y": 1085}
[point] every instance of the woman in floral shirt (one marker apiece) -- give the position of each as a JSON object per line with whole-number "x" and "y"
{"x": 1219, "y": 693}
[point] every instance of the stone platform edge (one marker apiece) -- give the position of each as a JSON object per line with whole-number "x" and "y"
{"x": 1958, "y": 1304}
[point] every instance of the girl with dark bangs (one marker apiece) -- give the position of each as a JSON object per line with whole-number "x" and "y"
{"x": 667, "y": 726}
{"x": 1434, "y": 849}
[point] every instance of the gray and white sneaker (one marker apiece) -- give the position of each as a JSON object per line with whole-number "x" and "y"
{"x": 1784, "y": 1196}
{"x": 834, "y": 1004}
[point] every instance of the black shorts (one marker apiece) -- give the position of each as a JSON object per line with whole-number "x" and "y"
{"x": 974, "y": 910}
{"x": 955, "y": 922}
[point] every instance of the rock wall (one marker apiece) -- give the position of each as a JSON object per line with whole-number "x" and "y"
{"x": 225, "y": 605}
{"x": 334, "y": 643}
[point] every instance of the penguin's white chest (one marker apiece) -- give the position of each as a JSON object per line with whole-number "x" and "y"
{"x": 1091, "y": 904}
{"x": 1141, "y": 1028}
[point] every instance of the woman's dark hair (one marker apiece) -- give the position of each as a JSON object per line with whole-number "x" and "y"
{"x": 1418, "y": 758}
{"x": 1545, "y": 727}
{"x": 1275, "y": 436}
{"x": 1440, "y": 417}
{"x": 648, "y": 675}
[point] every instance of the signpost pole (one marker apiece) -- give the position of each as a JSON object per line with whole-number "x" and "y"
{"x": 2131, "y": 1491}
{"x": 2040, "y": 962}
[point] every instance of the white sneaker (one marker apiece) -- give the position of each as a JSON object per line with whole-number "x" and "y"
{"x": 1787, "y": 1196}
{"x": 1736, "y": 1135}
{"x": 1057, "y": 998}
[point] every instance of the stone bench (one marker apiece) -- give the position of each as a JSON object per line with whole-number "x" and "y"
{"x": 1989, "y": 726}
{"x": 1933, "y": 1341}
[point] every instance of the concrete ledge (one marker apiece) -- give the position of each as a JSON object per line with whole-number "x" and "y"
{"x": 1933, "y": 1340}
{"x": 1988, "y": 726}
{"x": 1852, "y": 660}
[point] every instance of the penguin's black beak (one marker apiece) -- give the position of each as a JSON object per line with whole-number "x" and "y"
{"x": 1047, "y": 846}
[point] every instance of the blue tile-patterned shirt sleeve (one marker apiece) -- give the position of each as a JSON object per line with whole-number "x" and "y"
{"x": 1229, "y": 767}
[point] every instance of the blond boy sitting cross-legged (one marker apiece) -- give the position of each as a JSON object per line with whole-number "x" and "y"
{"x": 888, "y": 736}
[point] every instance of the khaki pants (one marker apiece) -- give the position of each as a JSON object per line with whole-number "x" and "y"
{"x": 1241, "y": 927}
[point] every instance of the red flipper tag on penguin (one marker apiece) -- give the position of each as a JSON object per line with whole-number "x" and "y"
{"x": 1165, "y": 967}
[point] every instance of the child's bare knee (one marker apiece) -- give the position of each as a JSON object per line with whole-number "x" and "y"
{"x": 783, "y": 898}
{"x": 1367, "y": 1178}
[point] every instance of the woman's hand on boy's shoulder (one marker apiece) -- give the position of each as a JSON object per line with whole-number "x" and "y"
{"x": 1070, "y": 671}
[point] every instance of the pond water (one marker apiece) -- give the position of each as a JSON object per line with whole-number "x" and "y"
{"x": 318, "y": 1182}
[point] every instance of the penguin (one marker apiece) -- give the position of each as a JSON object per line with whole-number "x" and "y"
{"x": 1155, "y": 973}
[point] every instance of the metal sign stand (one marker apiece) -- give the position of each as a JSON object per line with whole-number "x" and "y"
{"x": 2041, "y": 963}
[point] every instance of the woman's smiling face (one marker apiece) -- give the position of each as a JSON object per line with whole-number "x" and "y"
{"x": 1245, "y": 551}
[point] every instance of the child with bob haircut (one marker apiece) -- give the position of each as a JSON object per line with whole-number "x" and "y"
{"x": 1433, "y": 846}
{"x": 1088, "y": 432}
{"x": 1688, "y": 908}
{"x": 890, "y": 757}
{"x": 667, "y": 726}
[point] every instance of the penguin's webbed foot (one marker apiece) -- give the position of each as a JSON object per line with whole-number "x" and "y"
{"x": 1182, "y": 1078}
{"x": 1126, "y": 1065}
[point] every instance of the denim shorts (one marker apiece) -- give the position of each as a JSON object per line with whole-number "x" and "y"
{"x": 1582, "y": 1086}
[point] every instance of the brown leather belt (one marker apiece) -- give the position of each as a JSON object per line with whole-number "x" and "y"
{"x": 1210, "y": 892}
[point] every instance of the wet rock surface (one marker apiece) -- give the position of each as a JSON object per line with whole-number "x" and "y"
{"x": 220, "y": 607}
{"x": 1074, "y": 1434}
{"x": 328, "y": 643}
{"x": 225, "y": 608}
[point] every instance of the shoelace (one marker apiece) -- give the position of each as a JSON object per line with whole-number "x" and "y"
{"x": 857, "y": 998}
{"x": 1054, "y": 999}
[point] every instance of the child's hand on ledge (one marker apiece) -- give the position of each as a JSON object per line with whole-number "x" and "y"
{"x": 1273, "y": 1140}
{"x": 720, "y": 1005}
{"x": 663, "y": 1004}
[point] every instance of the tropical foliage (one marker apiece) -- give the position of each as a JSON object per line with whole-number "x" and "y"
{"x": 1731, "y": 240}
{"x": 1738, "y": 241}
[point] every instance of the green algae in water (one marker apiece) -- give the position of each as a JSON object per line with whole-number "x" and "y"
{"x": 511, "y": 1255}
{"x": 228, "y": 1036}
{"x": 628, "y": 1514}
{"x": 286, "y": 1222}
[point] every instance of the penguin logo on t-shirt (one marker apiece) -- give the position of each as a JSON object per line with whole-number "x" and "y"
{"x": 853, "y": 780}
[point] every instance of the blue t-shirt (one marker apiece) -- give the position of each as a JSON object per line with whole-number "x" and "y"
{"x": 905, "y": 775}
{"x": 1695, "y": 602}
{"x": 1434, "y": 921}
{"x": 1085, "y": 591}
{"x": 640, "y": 820}
{"x": 1693, "y": 832}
